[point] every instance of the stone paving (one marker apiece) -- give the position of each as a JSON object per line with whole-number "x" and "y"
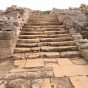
{"x": 48, "y": 73}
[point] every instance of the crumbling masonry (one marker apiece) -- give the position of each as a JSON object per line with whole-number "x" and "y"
{"x": 44, "y": 49}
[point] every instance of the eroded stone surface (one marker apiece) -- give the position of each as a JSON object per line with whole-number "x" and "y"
{"x": 34, "y": 63}
{"x": 18, "y": 83}
{"x": 79, "y": 61}
{"x": 20, "y": 63}
{"x": 50, "y": 60}
{"x": 46, "y": 83}
{"x": 71, "y": 70}
{"x": 45, "y": 48}
{"x": 70, "y": 54}
{"x": 80, "y": 81}
{"x": 61, "y": 82}
{"x": 64, "y": 61}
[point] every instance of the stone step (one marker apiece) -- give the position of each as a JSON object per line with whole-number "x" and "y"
{"x": 40, "y": 44}
{"x": 35, "y": 48}
{"x": 31, "y": 33}
{"x": 42, "y": 20}
{"x": 25, "y": 50}
{"x": 27, "y": 55}
{"x": 50, "y": 21}
{"x": 47, "y": 38}
{"x": 21, "y": 50}
{"x": 37, "y": 42}
{"x": 45, "y": 20}
{"x": 33, "y": 55}
{"x": 43, "y": 32}
{"x": 58, "y": 49}
{"x": 41, "y": 83}
{"x": 29, "y": 45}
{"x": 45, "y": 26}
{"x": 56, "y": 32}
{"x": 63, "y": 43}
{"x": 70, "y": 54}
{"x": 42, "y": 29}
{"x": 42, "y": 24}
{"x": 43, "y": 48}
{"x": 39, "y": 17}
{"x": 56, "y": 39}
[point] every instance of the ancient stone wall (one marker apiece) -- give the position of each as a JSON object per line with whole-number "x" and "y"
{"x": 11, "y": 21}
{"x": 76, "y": 22}
{"x": 76, "y": 17}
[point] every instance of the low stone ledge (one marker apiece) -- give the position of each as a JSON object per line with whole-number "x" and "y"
{"x": 84, "y": 53}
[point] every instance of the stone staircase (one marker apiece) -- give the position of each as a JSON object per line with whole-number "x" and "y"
{"x": 44, "y": 37}
{"x": 46, "y": 57}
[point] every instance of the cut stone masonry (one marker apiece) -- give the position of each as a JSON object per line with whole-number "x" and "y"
{"x": 39, "y": 49}
{"x": 78, "y": 38}
{"x": 10, "y": 29}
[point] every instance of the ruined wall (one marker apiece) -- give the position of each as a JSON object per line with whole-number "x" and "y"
{"x": 76, "y": 17}
{"x": 76, "y": 21}
{"x": 11, "y": 21}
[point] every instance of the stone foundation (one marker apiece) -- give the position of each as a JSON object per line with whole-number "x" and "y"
{"x": 11, "y": 22}
{"x": 7, "y": 43}
{"x": 75, "y": 32}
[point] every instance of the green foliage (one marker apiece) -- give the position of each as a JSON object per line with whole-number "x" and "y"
{"x": 45, "y": 12}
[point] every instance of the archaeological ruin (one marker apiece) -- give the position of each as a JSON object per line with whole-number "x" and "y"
{"x": 44, "y": 49}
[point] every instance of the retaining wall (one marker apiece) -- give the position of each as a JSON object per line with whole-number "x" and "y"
{"x": 9, "y": 31}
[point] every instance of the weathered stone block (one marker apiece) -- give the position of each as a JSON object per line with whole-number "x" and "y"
{"x": 72, "y": 31}
{"x": 84, "y": 53}
{"x": 77, "y": 36}
{"x": 7, "y": 35}
{"x": 7, "y": 43}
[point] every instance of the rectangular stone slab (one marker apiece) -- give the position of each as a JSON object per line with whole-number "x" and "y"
{"x": 80, "y": 81}
{"x": 46, "y": 83}
{"x": 19, "y": 63}
{"x": 72, "y": 70}
{"x": 64, "y": 61}
{"x": 34, "y": 63}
